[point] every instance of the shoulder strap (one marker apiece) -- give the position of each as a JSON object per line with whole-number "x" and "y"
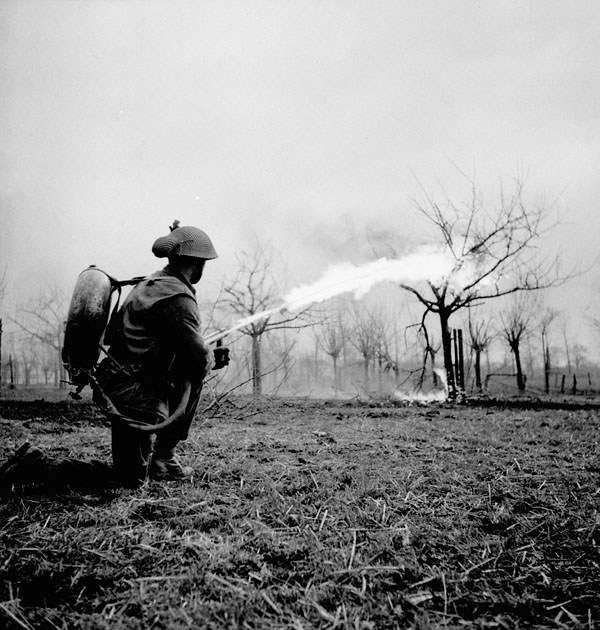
{"x": 125, "y": 283}
{"x": 117, "y": 286}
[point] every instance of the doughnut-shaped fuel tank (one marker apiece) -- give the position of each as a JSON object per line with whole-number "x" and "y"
{"x": 87, "y": 319}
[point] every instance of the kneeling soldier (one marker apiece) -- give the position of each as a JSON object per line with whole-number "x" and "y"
{"x": 154, "y": 375}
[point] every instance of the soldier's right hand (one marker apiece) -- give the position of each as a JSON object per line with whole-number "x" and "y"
{"x": 221, "y": 355}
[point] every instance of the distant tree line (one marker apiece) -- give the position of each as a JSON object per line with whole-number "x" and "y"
{"x": 343, "y": 347}
{"x": 374, "y": 345}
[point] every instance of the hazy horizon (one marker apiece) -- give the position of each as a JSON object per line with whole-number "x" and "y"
{"x": 309, "y": 125}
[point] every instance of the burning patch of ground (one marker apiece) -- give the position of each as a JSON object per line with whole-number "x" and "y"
{"x": 317, "y": 514}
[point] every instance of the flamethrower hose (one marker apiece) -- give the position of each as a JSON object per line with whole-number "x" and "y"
{"x": 108, "y": 408}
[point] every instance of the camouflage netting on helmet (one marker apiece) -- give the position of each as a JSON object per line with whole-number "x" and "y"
{"x": 185, "y": 241}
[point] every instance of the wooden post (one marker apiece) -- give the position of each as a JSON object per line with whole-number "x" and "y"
{"x": 574, "y": 389}
{"x": 455, "y": 362}
{"x": 461, "y": 359}
{"x": 12, "y": 373}
{"x": 562, "y": 384}
{"x": 256, "y": 366}
{"x": 547, "y": 371}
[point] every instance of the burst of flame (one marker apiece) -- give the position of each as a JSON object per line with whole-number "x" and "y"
{"x": 426, "y": 264}
{"x": 421, "y": 397}
{"x": 345, "y": 277}
{"x": 436, "y": 395}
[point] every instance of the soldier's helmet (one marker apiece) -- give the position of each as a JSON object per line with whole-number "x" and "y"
{"x": 184, "y": 240}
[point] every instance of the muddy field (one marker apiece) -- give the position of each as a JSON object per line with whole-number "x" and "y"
{"x": 316, "y": 514}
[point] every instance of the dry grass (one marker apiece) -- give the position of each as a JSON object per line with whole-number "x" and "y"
{"x": 317, "y": 515}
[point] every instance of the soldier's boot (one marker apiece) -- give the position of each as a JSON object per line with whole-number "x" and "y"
{"x": 164, "y": 466}
{"x": 24, "y": 467}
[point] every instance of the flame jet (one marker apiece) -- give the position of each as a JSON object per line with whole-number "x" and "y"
{"x": 427, "y": 264}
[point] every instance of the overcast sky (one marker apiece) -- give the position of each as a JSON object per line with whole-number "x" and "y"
{"x": 304, "y": 123}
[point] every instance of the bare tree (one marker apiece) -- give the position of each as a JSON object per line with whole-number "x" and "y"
{"x": 429, "y": 351}
{"x": 331, "y": 337}
{"x": 516, "y": 322}
{"x": 546, "y": 319}
{"x": 368, "y": 329}
{"x": 43, "y": 319}
{"x": 495, "y": 254}
{"x": 580, "y": 355}
{"x": 252, "y": 291}
{"x": 563, "y": 324}
{"x": 47, "y": 363}
{"x": 28, "y": 359}
{"x": 280, "y": 348}
{"x": 480, "y": 337}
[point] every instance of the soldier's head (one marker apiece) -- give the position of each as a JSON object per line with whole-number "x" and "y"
{"x": 188, "y": 248}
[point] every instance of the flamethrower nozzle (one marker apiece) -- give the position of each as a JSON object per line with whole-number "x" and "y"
{"x": 218, "y": 336}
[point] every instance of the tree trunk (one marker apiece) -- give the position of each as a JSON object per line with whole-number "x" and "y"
{"x": 12, "y": 371}
{"x": 460, "y": 359}
{"x": 434, "y": 374}
{"x": 518, "y": 367}
{"x": 447, "y": 350}
{"x": 567, "y": 351}
{"x": 429, "y": 353}
{"x": 335, "y": 372}
{"x": 397, "y": 359}
{"x": 478, "y": 369}
{"x": 256, "y": 367}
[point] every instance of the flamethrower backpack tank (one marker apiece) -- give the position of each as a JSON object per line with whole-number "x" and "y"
{"x": 87, "y": 319}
